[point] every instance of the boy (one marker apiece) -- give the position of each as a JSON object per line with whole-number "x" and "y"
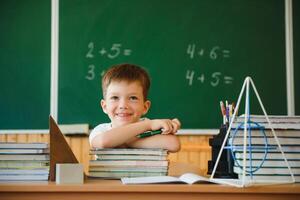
{"x": 125, "y": 89}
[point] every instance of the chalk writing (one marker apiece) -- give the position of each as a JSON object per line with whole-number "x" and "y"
{"x": 214, "y": 79}
{"x": 216, "y": 52}
{"x": 112, "y": 52}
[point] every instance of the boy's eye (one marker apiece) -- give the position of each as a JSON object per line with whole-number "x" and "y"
{"x": 133, "y": 98}
{"x": 114, "y": 97}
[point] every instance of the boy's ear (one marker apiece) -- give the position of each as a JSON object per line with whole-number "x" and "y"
{"x": 147, "y": 105}
{"x": 103, "y": 105}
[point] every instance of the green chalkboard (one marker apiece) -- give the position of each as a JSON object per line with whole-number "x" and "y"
{"x": 24, "y": 64}
{"x": 197, "y": 53}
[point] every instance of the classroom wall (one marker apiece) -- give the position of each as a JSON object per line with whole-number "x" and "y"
{"x": 195, "y": 149}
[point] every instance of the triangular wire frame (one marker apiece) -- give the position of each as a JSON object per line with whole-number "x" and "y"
{"x": 244, "y": 182}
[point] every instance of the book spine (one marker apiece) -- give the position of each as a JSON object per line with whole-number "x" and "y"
{"x": 270, "y": 178}
{"x": 269, "y": 171}
{"x": 124, "y": 157}
{"x": 268, "y": 163}
{"x": 18, "y": 164}
{"x": 128, "y": 163}
{"x": 269, "y": 155}
{"x": 261, "y": 141}
{"x": 13, "y": 145}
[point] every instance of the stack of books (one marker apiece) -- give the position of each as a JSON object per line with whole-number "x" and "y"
{"x": 266, "y": 161}
{"x": 24, "y": 161}
{"x": 118, "y": 163}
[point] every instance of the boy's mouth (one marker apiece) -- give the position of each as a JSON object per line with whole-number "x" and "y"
{"x": 123, "y": 114}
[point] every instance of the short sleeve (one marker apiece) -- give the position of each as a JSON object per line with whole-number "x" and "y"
{"x": 101, "y": 128}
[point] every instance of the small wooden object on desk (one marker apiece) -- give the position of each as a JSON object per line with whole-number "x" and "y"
{"x": 60, "y": 152}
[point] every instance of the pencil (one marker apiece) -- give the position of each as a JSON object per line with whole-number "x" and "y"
{"x": 149, "y": 133}
{"x": 222, "y": 108}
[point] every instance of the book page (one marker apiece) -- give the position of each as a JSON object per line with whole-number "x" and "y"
{"x": 189, "y": 178}
{"x": 150, "y": 179}
{"x": 193, "y": 178}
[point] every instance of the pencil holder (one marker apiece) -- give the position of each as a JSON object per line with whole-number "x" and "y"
{"x": 226, "y": 162}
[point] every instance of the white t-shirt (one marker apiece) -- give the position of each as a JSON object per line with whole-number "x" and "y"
{"x": 101, "y": 128}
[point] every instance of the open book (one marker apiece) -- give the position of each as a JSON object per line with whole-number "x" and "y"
{"x": 188, "y": 178}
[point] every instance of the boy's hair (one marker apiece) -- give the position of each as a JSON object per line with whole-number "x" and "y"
{"x": 126, "y": 72}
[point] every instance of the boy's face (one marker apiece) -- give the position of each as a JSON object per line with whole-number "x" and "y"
{"x": 124, "y": 103}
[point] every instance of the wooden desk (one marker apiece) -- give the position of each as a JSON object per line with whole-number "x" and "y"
{"x": 113, "y": 189}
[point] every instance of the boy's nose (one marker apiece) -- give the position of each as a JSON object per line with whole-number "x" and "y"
{"x": 123, "y": 104}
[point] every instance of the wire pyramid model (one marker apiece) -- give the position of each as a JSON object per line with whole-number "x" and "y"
{"x": 247, "y": 126}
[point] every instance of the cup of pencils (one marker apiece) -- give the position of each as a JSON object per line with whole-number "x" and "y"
{"x": 227, "y": 111}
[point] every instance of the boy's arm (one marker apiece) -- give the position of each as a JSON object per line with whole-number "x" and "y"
{"x": 118, "y": 136}
{"x": 169, "y": 142}
{"x": 127, "y": 133}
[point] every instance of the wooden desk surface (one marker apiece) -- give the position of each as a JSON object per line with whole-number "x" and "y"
{"x": 114, "y": 189}
{"x": 98, "y": 185}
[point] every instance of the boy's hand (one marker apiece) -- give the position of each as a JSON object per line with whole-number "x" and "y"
{"x": 168, "y": 126}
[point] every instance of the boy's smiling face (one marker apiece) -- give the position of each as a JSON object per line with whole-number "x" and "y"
{"x": 124, "y": 102}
